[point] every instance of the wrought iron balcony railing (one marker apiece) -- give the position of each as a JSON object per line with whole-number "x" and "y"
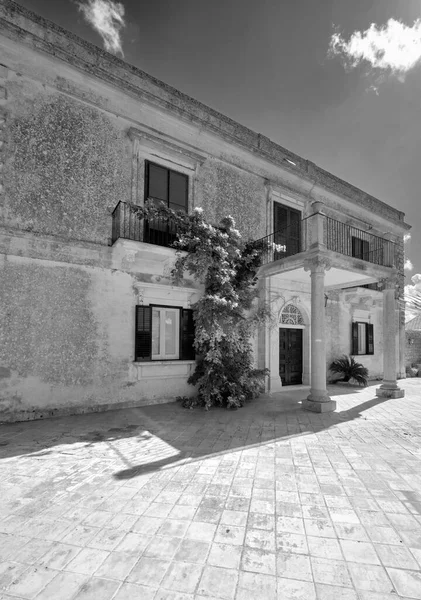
{"x": 357, "y": 243}
{"x": 128, "y": 224}
{"x": 281, "y": 244}
{"x": 337, "y": 236}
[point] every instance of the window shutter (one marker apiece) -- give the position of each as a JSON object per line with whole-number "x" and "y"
{"x": 354, "y": 339}
{"x": 357, "y": 247}
{"x": 187, "y": 331}
{"x": 143, "y": 337}
{"x": 370, "y": 338}
{"x": 365, "y": 250}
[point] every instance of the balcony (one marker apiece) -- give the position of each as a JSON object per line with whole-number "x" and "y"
{"x": 128, "y": 224}
{"x": 357, "y": 243}
{"x": 327, "y": 233}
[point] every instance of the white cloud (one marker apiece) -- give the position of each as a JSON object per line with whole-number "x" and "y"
{"x": 412, "y": 295}
{"x": 106, "y": 17}
{"x": 408, "y": 266}
{"x": 406, "y": 238}
{"x": 393, "y": 48}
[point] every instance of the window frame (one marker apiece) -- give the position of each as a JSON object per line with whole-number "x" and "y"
{"x": 185, "y": 336}
{"x": 162, "y": 311}
{"x": 149, "y": 163}
{"x": 288, "y": 241}
{"x": 364, "y": 254}
{"x": 163, "y": 234}
{"x": 368, "y": 338}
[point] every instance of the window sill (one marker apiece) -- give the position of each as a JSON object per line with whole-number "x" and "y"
{"x": 164, "y": 362}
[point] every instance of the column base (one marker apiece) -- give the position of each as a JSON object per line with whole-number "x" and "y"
{"x": 387, "y": 392}
{"x": 320, "y": 406}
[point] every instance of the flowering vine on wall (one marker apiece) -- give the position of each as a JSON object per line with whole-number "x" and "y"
{"x": 227, "y": 315}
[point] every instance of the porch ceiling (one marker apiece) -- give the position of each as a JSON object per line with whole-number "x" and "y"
{"x": 334, "y": 278}
{"x": 345, "y": 271}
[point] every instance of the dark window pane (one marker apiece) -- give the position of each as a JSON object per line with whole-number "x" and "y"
{"x": 294, "y": 217}
{"x": 365, "y": 250}
{"x": 280, "y": 217}
{"x": 177, "y": 207}
{"x": 178, "y": 190}
{"x": 158, "y": 183}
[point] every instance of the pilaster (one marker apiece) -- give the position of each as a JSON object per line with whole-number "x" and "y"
{"x": 315, "y": 224}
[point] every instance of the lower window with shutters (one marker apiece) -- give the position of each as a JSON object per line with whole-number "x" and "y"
{"x": 362, "y": 338}
{"x": 164, "y": 333}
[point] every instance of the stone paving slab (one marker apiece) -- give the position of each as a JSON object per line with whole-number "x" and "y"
{"x": 267, "y": 502}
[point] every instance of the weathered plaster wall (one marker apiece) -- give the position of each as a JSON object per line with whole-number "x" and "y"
{"x": 67, "y": 339}
{"x": 66, "y": 164}
{"x": 222, "y": 189}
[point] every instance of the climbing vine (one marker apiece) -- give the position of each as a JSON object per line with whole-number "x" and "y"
{"x": 227, "y": 314}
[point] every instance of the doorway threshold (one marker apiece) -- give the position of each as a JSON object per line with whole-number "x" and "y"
{"x": 291, "y": 388}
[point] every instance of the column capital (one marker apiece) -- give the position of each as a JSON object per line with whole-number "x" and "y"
{"x": 317, "y": 206}
{"x": 389, "y": 283}
{"x": 318, "y": 264}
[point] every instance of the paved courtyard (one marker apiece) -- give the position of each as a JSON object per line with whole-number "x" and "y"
{"x": 162, "y": 503}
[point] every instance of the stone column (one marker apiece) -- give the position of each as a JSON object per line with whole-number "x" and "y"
{"x": 389, "y": 388}
{"x": 318, "y": 400}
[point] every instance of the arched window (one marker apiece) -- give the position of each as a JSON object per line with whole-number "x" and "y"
{"x": 291, "y": 315}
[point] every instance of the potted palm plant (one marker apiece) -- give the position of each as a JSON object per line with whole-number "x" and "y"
{"x": 349, "y": 368}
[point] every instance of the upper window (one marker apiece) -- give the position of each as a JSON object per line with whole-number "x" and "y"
{"x": 360, "y": 248}
{"x": 171, "y": 188}
{"x": 164, "y": 333}
{"x": 165, "y": 185}
{"x": 287, "y": 230}
{"x": 362, "y": 338}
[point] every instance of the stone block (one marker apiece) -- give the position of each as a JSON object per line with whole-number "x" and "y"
{"x": 319, "y": 407}
{"x": 384, "y": 393}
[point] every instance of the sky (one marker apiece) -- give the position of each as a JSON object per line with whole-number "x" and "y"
{"x": 337, "y": 81}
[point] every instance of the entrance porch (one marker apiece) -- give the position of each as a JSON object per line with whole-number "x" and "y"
{"x": 295, "y": 352}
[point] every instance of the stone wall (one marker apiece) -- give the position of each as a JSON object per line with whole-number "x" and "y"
{"x": 66, "y": 164}
{"x": 412, "y": 348}
{"x": 223, "y": 189}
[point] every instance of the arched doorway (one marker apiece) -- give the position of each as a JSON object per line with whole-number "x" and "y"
{"x": 291, "y": 333}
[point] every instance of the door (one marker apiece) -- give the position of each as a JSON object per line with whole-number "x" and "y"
{"x": 291, "y": 356}
{"x": 287, "y": 229}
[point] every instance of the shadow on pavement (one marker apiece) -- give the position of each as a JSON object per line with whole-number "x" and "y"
{"x": 155, "y": 437}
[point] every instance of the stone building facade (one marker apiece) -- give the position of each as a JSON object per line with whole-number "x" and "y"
{"x": 82, "y": 136}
